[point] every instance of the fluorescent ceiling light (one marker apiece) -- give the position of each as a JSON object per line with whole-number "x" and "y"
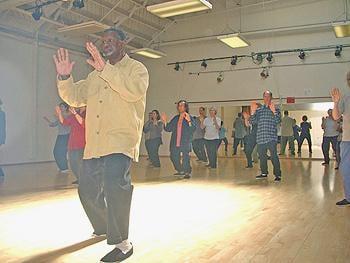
{"x": 147, "y": 52}
{"x": 179, "y": 7}
{"x": 234, "y": 40}
{"x": 342, "y": 29}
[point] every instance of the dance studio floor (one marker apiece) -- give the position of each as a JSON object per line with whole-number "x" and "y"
{"x": 217, "y": 216}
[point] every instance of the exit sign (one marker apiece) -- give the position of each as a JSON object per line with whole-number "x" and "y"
{"x": 290, "y": 100}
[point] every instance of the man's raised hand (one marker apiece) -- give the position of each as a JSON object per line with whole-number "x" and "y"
{"x": 96, "y": 60}
{"x": 335, "y": 93}
{"x": 63, "y": 64}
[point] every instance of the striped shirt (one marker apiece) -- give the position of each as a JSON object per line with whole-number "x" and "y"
{"x": 266, "y": 122}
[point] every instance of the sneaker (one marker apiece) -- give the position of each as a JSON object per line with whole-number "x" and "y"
{"x": 325, "y": 163}
{"x": 179, "y": 173}
{"x": 116, "y": 255}
{"x": 187, "y": 176}
{"x": 64, "y": 171}
{"x": 94, "y": 235}
{"x": 261, "y": 176}
{"x": 277, "y": 178}
{"x": 343, "y": 202}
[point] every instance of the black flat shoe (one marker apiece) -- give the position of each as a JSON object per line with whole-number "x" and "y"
{"x": 116, "y": 255}
{"x": 277, "y": 179}
{"x": 261, "y": 176}
{"x": 343, "y": 202}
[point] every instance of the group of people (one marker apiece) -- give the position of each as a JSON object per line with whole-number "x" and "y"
{"x": 70, "y": 123}
{"x": 204, "y": 134}
{"x": 114, "y": 95}
{"x": 200, "y": 133}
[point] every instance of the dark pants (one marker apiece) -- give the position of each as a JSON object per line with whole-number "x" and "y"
{"x": 76, "y": 161}
{"x": 301, "y": 141}
{"x": 199, "y": 149}
{"x": 105, "y": 192}
{"x": 153, "y": 147}
{"x": 290, "y": 140}
{"x": 249, "y": 145}
{"x": 212, "y": 150}
{"x": 338, "y": 154}
{"x": 236, "y": 142}
{"x": 272, "y": 148}
{"x": 326, "y": 145}
{"x": 225, "y": 141}
{"x": 60, "y": 151}
{"x": 345, "y": 167}
{"x": 147, "y": 142}
{"x": 180, "y": 159}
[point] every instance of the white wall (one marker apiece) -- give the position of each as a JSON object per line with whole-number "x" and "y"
{"x": 29, "y": 92}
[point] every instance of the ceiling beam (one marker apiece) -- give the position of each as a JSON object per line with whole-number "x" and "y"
{"x": 56, "y": 23}
{"x": 124, "y": 13}
{"x": 9, "y": 4}
{"x": 89, "y": 16}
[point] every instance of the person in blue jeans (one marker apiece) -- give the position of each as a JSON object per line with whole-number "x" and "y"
{"x": 181, "y": 127}
{"x": 267, "y": 117}
{"x": 342, "y": 109}
{"x": 60, "y": 149}
{"x": 2, "y": 131}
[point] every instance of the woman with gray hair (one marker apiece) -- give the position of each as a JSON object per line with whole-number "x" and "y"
{"x": 212, "y": 125}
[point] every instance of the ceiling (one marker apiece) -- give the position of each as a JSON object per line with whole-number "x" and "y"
{"x": 143, "y": 28}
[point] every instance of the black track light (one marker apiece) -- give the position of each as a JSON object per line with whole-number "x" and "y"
{"x": 177, "y": 66}
{"x": 37, "y": 13}
{"x": 264, "y": 74}
{"x": 78, "y": 3}
{"x": 338, "y": 51}
{"x": 302, "y": 55}
{"x": 234, "y": 60}
{"x": 204, "y": 64}
{"x": 269, "y": 57}
{"x": 259, "y": 58}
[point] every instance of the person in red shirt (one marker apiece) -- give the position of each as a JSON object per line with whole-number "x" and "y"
{"x": 76, "y": 141}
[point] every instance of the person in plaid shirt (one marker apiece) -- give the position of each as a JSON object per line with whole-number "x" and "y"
{"x": 267, "y": 117}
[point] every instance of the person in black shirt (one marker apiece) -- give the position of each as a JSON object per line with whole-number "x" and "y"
{"x": 305, "y": 127}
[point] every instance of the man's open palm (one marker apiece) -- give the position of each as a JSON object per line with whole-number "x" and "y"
{"x": 63, "y": 64}
{"x": 335, "y": 93}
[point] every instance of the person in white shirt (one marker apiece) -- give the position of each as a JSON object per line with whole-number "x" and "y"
{"x": 212, "y": 125}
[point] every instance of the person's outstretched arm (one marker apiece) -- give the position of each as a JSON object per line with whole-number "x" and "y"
{"x": 75, "y": 94}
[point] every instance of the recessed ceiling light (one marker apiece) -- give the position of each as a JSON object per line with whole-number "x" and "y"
{"x": 178, "y": 7}
{"x": 342, "y": 29}
{"x": 234, "y": 40}
{"x": 148, "y": 52}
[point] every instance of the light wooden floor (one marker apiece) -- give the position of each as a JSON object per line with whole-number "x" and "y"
{"x": 218, "y": 216}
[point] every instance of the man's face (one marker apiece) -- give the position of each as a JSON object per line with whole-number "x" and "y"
{"x": 154, "y": 115}
{"x": 330, "y": 113}
{"x": 201, "y": 111}
{"x": 111, "y": 45}
{"x": 212, "y": 113}
{"x": 267, "y": 98}
{"x": 181, "y": 107}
